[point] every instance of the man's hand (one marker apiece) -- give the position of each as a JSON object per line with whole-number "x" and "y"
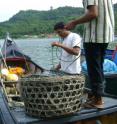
{"x": 70, "y": 25}
{"x": 58, "y": 44}
{"x": 91, "y": 14}
{"x": 57, "y": 68}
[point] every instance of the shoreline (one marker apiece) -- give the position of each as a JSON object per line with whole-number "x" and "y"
{"x": 44, "y": 36}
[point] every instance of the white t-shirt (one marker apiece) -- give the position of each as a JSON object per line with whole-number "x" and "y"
{"x": 71, "y": 63}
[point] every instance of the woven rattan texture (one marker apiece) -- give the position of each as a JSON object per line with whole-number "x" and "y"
{"x": 52, "y": 96}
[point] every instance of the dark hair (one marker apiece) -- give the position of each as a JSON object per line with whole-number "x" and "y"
{"x": 59, "y": 25}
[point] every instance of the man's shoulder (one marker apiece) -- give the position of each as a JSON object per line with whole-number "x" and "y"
{"x": 75, "y": 35}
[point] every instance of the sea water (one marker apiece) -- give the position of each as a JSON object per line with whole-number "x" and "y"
{"x": 40, "y": 50}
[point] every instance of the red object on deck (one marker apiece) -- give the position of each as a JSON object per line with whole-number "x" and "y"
{"x": 114, "y": 52}
{"x": 15, "y": 59}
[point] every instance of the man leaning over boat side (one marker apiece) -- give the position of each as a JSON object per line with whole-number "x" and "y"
{"x": 71, "y": 49}
{"x": 99, "y": 31}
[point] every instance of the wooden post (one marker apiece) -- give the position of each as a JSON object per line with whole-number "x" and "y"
{"x": 79, "y": 122}
{"x": 90, "y": 121}
{"x": 105, "y": 119}
{"x": 109, "y": 119}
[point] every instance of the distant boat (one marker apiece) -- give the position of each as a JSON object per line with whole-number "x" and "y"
{"x": 12, "y": 58}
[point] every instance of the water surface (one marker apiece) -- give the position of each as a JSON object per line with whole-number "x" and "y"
{"x": 40, "y": 50}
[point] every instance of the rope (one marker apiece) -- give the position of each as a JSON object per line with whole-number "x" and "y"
{"x": 4, "y": 60}
{"x": 52, "y": 57}
{"x": 72, "y": 61}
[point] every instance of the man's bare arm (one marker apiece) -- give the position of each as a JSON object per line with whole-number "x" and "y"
{"x": 91, "y": 14}
{"x": 74, "y": 51}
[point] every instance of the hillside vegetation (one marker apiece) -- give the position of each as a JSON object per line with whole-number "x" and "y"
{"x": 32, "y": 22}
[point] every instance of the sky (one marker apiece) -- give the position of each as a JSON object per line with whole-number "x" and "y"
{"x": 8, "y": 8}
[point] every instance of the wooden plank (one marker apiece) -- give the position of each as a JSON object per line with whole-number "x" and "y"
{"x": 10, "y": 82}
{"x": 105, "y": 119}
{"x": 109, "y": 119}
{"x": 89, "y": 121}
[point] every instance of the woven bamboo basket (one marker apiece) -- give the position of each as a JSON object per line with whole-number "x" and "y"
{"x": 52, "y": 96}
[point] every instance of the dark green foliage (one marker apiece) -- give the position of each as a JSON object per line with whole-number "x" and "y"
{"x": 32, "y": 22}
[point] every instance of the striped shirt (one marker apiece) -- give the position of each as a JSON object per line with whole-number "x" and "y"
{"x": 101, "y": 29}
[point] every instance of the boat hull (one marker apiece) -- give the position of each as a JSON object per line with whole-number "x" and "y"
{"x": 108, "y": 115}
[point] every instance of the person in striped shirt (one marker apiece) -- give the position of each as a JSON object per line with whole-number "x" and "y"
{"x": 98, "y": 32}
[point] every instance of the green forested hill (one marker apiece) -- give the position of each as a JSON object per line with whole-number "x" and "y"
{"x": 32, "y": 22}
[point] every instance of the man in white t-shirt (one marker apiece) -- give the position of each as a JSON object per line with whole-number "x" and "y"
{"x": 71, "y": 49}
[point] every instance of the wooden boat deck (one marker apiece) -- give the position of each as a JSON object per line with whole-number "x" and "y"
{"x": 17, "y": 115}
